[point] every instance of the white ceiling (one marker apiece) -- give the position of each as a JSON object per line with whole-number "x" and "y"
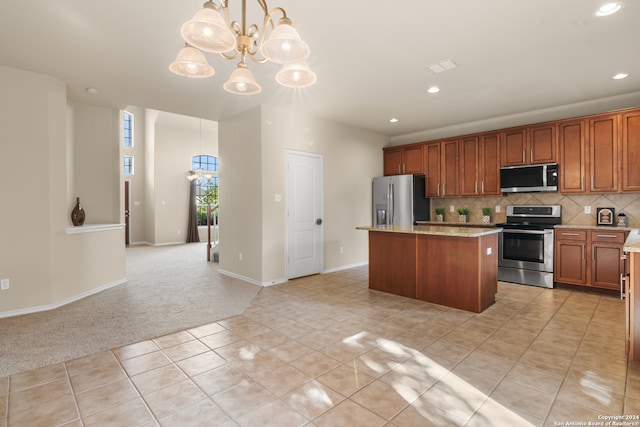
{"x": 371, "y": 57}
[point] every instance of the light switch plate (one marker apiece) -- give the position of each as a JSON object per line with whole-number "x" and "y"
{"x": 587, "y": 210}
{"x": 4, "y": 284}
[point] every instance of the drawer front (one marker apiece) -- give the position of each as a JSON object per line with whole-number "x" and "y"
{"x": 607, "y": 236}
{"x": 570, "y": 234}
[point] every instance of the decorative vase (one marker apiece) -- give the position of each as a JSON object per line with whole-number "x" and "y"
{"x": 439, "y": 218}
{"x": 462, "y": 218}
{"x": 486, "y": 219}
{"x": 77, "y": 214}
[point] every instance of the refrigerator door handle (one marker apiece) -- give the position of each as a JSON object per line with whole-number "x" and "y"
{"x": 390, "y": 217}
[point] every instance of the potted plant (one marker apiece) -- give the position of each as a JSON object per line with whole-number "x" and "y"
{"x": 439, "y": 214}
{"x": 463, "y": 212}
{"x": 486, "y": 215}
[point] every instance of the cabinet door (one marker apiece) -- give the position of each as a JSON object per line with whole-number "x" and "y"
{"x": 432, "y": 169}
{"x": 631, "y": 151}
{"x": 469, "y": 161}
{"x": 450, "y": 171}
{"x": 570, "y": 264}
{"x": 603, "y": 161}
{"x": 514, "y": 147}
{"x": 489, "y": 168}
{"x": 412, "y": 160}
{"x": 542, "y": 144}
{"x": 606, "y": 265}
{"x": 392, "y": 161}
{"x": 573, "y": 158}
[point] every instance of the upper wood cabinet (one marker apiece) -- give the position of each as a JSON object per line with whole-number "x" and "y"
{"x": 490, "y": 164}
{"x": 403, "y": 160}
{"x": 589, "y": 154}
{"x": 603, "y": 153}
{"x": 573, "y": 156}
{"x": 529, "y": 145}
{"x": 469, "y": 165}
{"x": 631, "y": 151}
{"x": 543, "y": 145}
{"x": 480, "y": 165}
{"x": 599, "y": 153}
{"x": 442, "y": 171}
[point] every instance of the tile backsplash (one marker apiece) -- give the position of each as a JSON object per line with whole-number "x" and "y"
{"x": 572, "y": 206}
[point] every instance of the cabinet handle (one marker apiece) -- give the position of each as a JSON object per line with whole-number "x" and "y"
{"x": 476, "y": 188}
{"x": 482, "y": 187}
{"x": 582, "y": 183}
{"x": 438, "y": 191}
{"x": 592, "y": 187}
{"x": 399, "y": 169}
{"x": 570, "y": 234}
{"x": 523, "y": 154}
{"x": 622, "y": 280}
{"x": 613, "y": 236}
{"x": 531, "y": 155}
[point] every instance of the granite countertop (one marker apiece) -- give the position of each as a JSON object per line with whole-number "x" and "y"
{"x": 434, "y": 230}
{"x": 456, "y": 224}
{"x": 632, "y": 244}
{"x": 595, "y": 227}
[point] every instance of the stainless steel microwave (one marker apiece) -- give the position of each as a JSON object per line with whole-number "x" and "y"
{"x": 529, "y": 178}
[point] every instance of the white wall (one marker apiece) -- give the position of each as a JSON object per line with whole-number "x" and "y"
{"x": 176, "y": 140}
{"x": 252, "y": 147}
{"x": 44, "y": 264}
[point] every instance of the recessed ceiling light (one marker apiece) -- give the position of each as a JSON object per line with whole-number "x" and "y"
{"x": 609, "y": 9}
{"x": 433, "y": 89}
{"x": 393, "y": 120}
{"x": 620, "y": 76}
{"x": 92, "y": 91}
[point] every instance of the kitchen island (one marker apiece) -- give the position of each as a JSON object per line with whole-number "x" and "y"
{"x": 447, "y": 265}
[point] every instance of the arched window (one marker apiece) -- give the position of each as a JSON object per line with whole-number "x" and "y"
{"x": 206, "y": 185}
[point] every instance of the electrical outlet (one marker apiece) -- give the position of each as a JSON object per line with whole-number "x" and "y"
{"x": 497, "y": 209}
{"x": 4, "y": 284}
{"x": 452, "y": 208}
{"x": 240, "y": 258}
{"x": 587, "y": 210}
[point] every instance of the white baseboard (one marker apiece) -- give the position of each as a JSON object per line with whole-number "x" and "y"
{"x": 345, "y": 267}
{"x": 59, "y": 304}
{"x": 252, "y": 281}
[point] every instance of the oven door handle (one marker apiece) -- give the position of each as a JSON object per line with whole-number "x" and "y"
{"x": 527, "y": 231}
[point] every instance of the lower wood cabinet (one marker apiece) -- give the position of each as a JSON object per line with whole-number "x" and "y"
{"x": 591, "y": 258}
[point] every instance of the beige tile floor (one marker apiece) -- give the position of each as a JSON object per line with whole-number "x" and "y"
{"x": 326, "y": 351}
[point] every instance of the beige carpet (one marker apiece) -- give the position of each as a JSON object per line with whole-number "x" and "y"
{"x": 168, "y": 289}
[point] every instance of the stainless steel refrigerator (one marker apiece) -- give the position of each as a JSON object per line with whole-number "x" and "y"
{"x": 399, "y": 200}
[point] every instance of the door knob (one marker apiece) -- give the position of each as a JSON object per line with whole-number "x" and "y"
{"x": 319, "y": 221}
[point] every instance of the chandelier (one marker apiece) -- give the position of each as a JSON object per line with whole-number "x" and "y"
{"x": 212, "y": 30}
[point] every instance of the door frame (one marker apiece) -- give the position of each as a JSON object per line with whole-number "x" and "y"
{"x": 289, "y": 204}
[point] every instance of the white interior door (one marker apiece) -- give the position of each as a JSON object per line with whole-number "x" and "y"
{"x": 304, "y": 214}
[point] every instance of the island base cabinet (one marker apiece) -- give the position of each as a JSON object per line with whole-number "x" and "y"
{"x": 392, "y": 263}
{"x": 458, "y": 272}
{"x": 633, "y": 308}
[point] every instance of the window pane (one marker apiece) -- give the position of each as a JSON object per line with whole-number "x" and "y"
{"x": 127, "y": 120}
{"x": 205, "y": 163}
{"x": 128, "y": 165}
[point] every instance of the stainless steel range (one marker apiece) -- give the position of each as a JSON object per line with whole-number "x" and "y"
{"x": 525, "y": 246}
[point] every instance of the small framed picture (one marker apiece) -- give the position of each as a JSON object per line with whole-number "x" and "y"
{"x": 605, "y": 216}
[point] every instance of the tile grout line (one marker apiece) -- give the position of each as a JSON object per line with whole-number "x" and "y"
{"x": 73, "y": 393}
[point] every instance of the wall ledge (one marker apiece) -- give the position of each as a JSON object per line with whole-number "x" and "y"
{"x": 92, "y": 228}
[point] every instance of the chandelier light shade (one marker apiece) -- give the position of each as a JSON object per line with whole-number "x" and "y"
{"x": 212, "y": 30}
{"x": 191, "y": 62}
{"x": 208, "y": 31}
{"x": 296, "y": 75}
{"x": 241, "y": 82}
{"x": 284, "y": 45}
